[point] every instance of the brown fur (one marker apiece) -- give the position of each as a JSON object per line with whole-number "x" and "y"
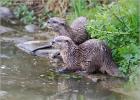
{"x": 76, "y": 31}
{"x": 92, "y": 55}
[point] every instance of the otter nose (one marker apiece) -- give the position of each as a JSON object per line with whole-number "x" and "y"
{"x": 48, "y": 21}
{"x": 53, "y": 42}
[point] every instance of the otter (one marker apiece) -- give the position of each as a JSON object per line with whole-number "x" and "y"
{"x": 77, "y": 30}
{"x": 90, "y": 56}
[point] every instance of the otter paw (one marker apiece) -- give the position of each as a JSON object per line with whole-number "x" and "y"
{"x": 63, "y": 70}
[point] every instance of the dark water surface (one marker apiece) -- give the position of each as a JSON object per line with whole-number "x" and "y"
{"x": 25, "y": 77}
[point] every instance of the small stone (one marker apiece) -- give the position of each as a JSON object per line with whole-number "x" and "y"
{"x": 22, "y": 82}
{"x": 3, "y": 56}
{"x": 3, "y": 93}
{"x": 31, "y": 28}
{"x": 50, "y": 83}
{"x": 59, "y": 83}
{"x": 42, "y": 75}
{"x": 6, "y": 13}
{"x": 87, "y": 83}
{"x": 3, "y": 67}
{"x": 44, "y": 83}
{"x": 75, "y": 90}
{"x": 23, "y": 86}
{"x": 95, "y": 80}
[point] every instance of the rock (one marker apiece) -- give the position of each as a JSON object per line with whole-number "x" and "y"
{"x": 16, "y": 39}
{"x": 3, "y": 93}
{"x": 6, "y": 13}
{"x": 41, "y": 36}
{"x": 31, "y": 28}
{"x": 4, "y": 29}
{"x": 3, "y": 56}
{"x": 7, "y": 16}
{"x": 31, "y": 45}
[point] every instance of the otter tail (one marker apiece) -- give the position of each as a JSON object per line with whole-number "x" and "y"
{"x": 109, "y": 66}
{"x": 111, "y": 70}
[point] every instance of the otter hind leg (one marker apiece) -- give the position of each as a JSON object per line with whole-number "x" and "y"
{"x": 112, "y": 71}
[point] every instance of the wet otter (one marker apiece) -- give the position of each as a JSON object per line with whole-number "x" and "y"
{"x": 90, "y": 56}
{"x": 77, "y": 30}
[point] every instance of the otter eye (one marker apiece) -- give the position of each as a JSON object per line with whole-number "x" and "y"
{"x": 67, "y": 41}
{"x": 62, "y": 24}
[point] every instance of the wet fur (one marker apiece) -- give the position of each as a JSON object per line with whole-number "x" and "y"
{"x": 90, "y": 56}
{"x": 77, "y": 30}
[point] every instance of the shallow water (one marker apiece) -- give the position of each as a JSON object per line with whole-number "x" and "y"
{"x": 26, "y": 77}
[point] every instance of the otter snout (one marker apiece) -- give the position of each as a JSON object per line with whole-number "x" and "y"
{"x": 53, "y": 42}
{"x": 47, "y": 24}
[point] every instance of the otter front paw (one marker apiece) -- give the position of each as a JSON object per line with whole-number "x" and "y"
{"x": 64, "y": 70}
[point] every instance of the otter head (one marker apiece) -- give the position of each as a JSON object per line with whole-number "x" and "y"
{"x": 56, "y": 23}
{"x": 61, "y": 42}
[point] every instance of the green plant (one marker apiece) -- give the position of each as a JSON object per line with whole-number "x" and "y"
{"x": 117, "y": 24}
{"x": 5, "y": 2}
{"x": 22, "y": 12}
{"x": 84, "y": 8}
{"x": 78, "y": 6}
{"x": 43, "y": 18}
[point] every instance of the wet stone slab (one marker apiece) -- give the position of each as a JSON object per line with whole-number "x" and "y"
{"x": 4, "y": 29}
{"x": 29, "y": 46}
